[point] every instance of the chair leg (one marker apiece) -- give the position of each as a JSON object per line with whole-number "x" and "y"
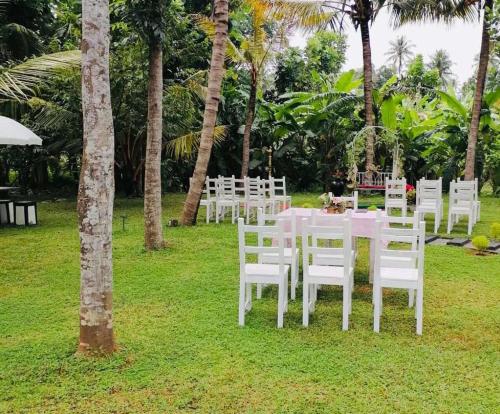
{"x": 241, "y": 313}
{"x": 411, "y": 296}
{"x": 420, "y": 310}
{"x": 470, "y": 222}
{"x": 450, "y": 219}
{"x": 259, "y": 290}
{"x": 305, "y": 303}
{"x": 217, "y": 209}
{"x": 346, "y": 306}
{"x": 376, "y": 308}
{"x": 281, "y": 303}
{"x": 248, "y": 302}
{"x": 294, "y": 279}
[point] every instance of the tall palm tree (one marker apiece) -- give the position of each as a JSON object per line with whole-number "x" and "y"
{"x": 441, "y": 61}
{"x": 216, "y": 73}
{"x": 361, "y": 13}
{"x": 149, "y": 18}
{"x": 447, "y": 10}
{"x": 96, "y": 188}
{"x": 399, "y": 53}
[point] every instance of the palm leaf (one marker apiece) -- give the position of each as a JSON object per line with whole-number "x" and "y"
{"x": 21, "y": 81}
{"x": 208, "y": 27}
{"x": 186, "y": 145}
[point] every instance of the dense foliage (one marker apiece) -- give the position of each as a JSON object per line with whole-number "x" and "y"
{"x": 309, "y": 107}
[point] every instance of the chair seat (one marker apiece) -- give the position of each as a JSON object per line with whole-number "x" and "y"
{"x": 226, "y": 202}
{"x": 271, "y": 257}
{"x": 398, "y": 277}
{"x": 264, "y": 273}
{"x": 328, "y": 275}
{"x": 332, "y": 259}
{"x": 395, "y": 202}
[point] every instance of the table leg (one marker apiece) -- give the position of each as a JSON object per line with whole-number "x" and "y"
{"x": 372, "y": 259}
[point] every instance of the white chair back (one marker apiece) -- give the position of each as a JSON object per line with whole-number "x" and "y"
{"x": 429, "y": 191}
{"x": 389, "y": 255}
{"x": 225, "y": 188}
{"x": 347, "y": 199}
{"x": 339, "y": 230}
{"x": 274, "y": 233}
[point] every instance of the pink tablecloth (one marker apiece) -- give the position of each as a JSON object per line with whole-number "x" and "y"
{"x": 363, "y": 224}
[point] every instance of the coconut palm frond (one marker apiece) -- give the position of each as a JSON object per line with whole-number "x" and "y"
{"x": 407, "y": 11}
{"x": 21, "y": 81}
{"x": 185, "y": 146}
{"x": 308, "y": 15}
{"x": 49, "y": 114}
{"x": 208, "y": 27}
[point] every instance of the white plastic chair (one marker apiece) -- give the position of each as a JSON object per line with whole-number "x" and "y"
{"x": 462, "y": 203}
{"x": 226, "y": 199}
{"x": 278, "y": 193}
{"x": 395, "y": 195}
{"x": 398, "y": 222}
{"x": 331, "y": 220}
{"x": 262, "y": 273}
{"x": 291, "y": 249}
{"x": 209, "y": 194}
{"x": 475, "y": 187}
{"x": 429, "y": 199}
{"x": 398, "y": 268}
{"x": 328, "y": 273}
{"x": 347, "y": 199}
{"x": 255, "y": 197}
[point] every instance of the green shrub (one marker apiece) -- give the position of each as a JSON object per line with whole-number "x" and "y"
{"x": 495, "y": 230}
{"x": 481, "y": 243}
{"x": 373, "y": 207}
{"x": 307, "y": 205}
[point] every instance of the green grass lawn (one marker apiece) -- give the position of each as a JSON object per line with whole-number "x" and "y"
{"x": 181, "y": 349}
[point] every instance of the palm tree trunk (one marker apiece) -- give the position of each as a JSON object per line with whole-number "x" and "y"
{"x": 478, "y": 96}
{"x": 210, "y": 116}
{"x": 153, "y": 232}
{"x": 368, "y": 98}
{"x": 245, "y": 159}
{"x": 96, "y": 188}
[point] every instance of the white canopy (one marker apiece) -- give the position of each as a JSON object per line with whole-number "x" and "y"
{"x": 13, "y": 133}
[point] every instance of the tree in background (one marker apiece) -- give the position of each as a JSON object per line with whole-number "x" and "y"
{"x": 448, "y": 10}
{"x": 325, "y": 52}
{"x": 399, "y": 53}
{"x": 96, "y": 189}
{"x": 151, "y": 21}
{"x": 216, "y": 74}
{"x": 441, "y": 61}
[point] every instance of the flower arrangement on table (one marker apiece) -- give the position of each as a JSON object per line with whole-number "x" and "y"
{"x": 332, "y": 205}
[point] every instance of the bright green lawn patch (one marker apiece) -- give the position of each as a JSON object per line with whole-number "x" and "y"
{"x": 181, "y": 349}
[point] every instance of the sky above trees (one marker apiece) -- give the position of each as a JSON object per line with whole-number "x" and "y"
{"x": 461, "y": 40}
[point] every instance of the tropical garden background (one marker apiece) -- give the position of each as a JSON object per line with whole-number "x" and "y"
{"x": 303, "y": 104}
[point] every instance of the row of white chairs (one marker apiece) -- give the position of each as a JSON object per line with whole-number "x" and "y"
{"x": 463, "y": 200}
{"x": 328, "y": 258}
{"x": 223, "y": 195}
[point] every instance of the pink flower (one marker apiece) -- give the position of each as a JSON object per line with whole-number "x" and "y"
{"x": 409, "y": 187}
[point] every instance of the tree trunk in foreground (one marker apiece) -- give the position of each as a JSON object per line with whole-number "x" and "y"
{"x": 96, "y": 187}
{"x": 368, "y": 98}
{"x": 482, "y": 69}
{"x": 245, "y": 158}
{"x": 210, "y": 116}
{"x": 153, "y": 232}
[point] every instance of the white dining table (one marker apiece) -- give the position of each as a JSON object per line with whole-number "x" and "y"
{"x": 363, "y": 224}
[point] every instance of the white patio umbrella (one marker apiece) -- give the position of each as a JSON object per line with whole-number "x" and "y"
{"x": 13, "y": 133}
